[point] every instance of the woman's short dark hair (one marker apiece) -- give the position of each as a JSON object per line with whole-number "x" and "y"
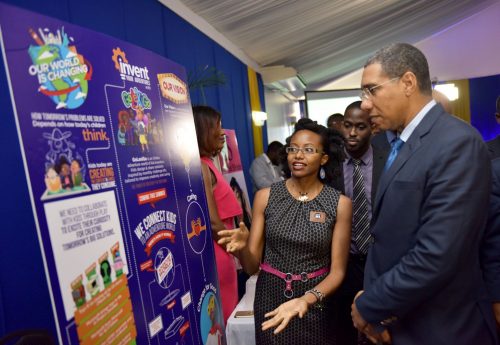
{"x": 205, "y": 121}
{"x": 333, "y": 146}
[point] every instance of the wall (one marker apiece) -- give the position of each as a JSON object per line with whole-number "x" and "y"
{"x": 278, "y": 121}
{"x": 24, "y": 297}
{"x": 483, "y": 94}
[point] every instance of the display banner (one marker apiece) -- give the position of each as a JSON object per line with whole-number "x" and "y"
{"x": 112, "y": 163}
{"x": 229, "y": 163}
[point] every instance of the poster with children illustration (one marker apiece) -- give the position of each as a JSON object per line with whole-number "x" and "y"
{"x": 110, "y": 154}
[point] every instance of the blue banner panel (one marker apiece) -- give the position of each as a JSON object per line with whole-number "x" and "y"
{"x": 113, "y": 169}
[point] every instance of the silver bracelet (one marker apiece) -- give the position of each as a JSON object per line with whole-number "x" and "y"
{"x": 318, "y": 294}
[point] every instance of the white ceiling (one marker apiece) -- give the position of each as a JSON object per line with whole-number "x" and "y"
{"x": 468, "y": 49}
{"x": 326, "y": 39}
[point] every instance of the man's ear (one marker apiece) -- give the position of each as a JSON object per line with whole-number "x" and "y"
{"x": 410, "y": 83}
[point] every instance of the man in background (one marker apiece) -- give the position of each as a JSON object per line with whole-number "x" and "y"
{"x": 335, "y": 121}
{"x": 265, "y": 169}
{"x": 494, "y": 144}
{"x": 423, "y": 283}
{"x": 360, "y": 175}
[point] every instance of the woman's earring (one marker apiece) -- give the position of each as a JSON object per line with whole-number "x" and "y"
{"x": 322, "y": 173}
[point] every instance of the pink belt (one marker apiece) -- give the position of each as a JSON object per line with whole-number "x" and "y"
{"x": 289, "y": 277}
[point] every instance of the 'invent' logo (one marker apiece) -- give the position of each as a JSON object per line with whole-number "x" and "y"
{"x": 128, "y": 71}
{"x": 62, "y": 73}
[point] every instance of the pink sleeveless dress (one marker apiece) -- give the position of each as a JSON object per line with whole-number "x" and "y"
{"x": 228, "y": 208}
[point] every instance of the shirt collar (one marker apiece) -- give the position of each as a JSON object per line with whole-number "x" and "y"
{"x": 408, "y": 130}
{"x": 268, "y": 161}
{"x": 365, "y": 159}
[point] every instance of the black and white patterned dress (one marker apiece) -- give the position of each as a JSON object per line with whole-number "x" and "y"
{"x": 294, "y": 244}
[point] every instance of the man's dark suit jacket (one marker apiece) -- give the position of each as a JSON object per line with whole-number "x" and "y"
{"x": 422, "y": 277}
{"x": 490, "y": 249}
{"x": 381, "y": 141}
{"x": 494, "y": 147}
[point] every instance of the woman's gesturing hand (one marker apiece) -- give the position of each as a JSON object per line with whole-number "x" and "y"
{"x": 234, "y": 239}
{"x": 282, "y": 315}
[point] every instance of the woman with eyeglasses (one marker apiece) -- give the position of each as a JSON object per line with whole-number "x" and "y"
{"x": 300, "y": 235}
{"x": 224, "y": 209}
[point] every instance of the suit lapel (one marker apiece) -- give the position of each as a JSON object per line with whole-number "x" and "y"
{"x": 410, "y": 147}
{"x": 379, "y": 158}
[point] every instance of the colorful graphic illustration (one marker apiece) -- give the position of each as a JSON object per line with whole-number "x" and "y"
{"x": 64, "y": 172}
{"x": 76, "y": 173}
{"x": 62, "y": 73}
{"x": 173, "y": 88}
{"x": 78, "y": 291}
{"x": 92, "y": 284}
{"x": 195, "y": 221}
{"x": 117, "y": 259}
{"x": 136, "y": 126}
{"x": 164, "y": 264}
{"x": 211, "y": 330}
{"x": 196, "y": 228}
{"x": 105, "y": 270}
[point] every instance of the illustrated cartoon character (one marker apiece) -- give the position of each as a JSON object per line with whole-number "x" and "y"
{"x": 92, "y": 286}
{"x": 123, "y": 127}
{"x": 142, "y": 129}
{"x": 105, "y": 272}
{"x": 214, "y": 336}
{"x": 120, "y": 135}
{"x": 65, "y": 173}
{"x": 78, "y": 292}
{"x": 76, "y": 173}
{"x": 118, "y": 263}
{"x": 52, "y": 181}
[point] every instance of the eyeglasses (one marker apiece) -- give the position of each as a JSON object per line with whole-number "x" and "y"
{"x": 304, "y": 150}
{"x": 367, "y": 92}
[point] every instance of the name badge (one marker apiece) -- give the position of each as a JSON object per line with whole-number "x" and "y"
{"x": 317, "y": 216}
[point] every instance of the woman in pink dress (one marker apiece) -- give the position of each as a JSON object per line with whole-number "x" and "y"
{"x": 225, "y": 211}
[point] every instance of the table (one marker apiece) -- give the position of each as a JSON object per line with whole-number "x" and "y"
{"x": 241, "y": 330}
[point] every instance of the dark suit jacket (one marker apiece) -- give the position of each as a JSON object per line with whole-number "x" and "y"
{"x": 422, "y": 276}
{"x": 490, "y": 249}
{"x": 494, "y": 147}
{"x": 379, "y": 158}
{"x": 381, "y": 142}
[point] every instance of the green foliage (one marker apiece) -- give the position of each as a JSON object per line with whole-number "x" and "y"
{"x": 205, "y": 77}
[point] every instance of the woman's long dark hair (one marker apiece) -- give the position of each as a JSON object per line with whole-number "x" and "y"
{"x": 333, "y": 146}
{"x": 205, "y": 122}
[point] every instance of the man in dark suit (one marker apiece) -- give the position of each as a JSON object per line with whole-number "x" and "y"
{"x": 490, "y": 248}
{"x": 423, "y": 281}
{"x": 357, "y": 133}
{"x": 494, "y": 144}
